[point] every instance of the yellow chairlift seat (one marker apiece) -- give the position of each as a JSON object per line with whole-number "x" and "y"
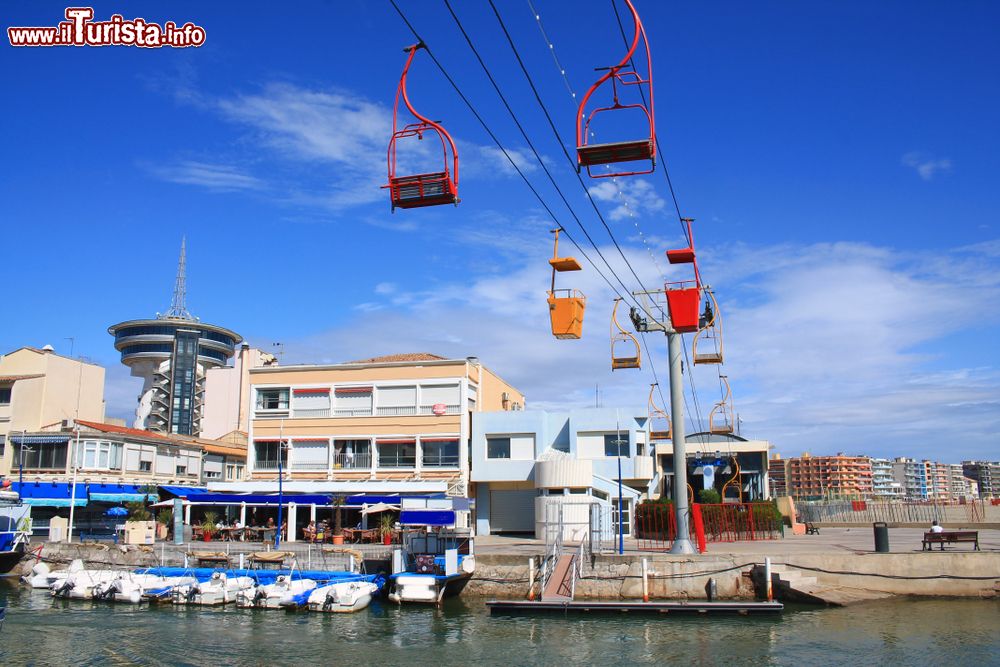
{"x": 720, "y": 419}
{"x": 659, "y": 421}
{"x": 622, "y": 338}
{"x": 707, "y": 345}
{"x": 566, "y": 306}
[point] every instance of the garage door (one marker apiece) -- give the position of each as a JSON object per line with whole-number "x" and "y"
{"x": 512, "y": 511}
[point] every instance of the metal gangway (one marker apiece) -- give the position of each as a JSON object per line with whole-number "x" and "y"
{"x": 574, "y": 533}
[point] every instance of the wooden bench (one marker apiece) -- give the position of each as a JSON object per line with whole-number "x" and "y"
{"x": 811, "y": 528}
{"x": 950, "y": 537}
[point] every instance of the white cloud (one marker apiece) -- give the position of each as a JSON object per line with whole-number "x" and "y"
{"x": 634, "y": 196}
{"x": 925, "y": 165}
{"x": 217, "y": 177}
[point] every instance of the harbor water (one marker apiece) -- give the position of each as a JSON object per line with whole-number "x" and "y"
{"x": 43, "y": 631}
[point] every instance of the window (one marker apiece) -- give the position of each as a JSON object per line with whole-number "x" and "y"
{"x": 616, "y": 444}
{"x": 498, "y": 448}
{"x": 99, "y": 455}
{"x": 182, "y": 470}
{"x": 145, "y": 466}
{"x": 272, "y": 400}
{"x": 441, "y": 453}
{"x": 397, "y": 454}
{"x": 352, "y": 454}
{"x": 626, "y": 516}
{"x": 309, "y": 454}
{"x": 213, "y": 474}
{"x": 5, "y": 395}
{"x": 352, "y": 402}
{"x": 266, "y": 455}
{"x": 311, "y": 402}
{"x": 234, "y": 472}
{"x": 3, "y": 444}
{"x": 397, "y": 401}
{"x": 41, "y": 456}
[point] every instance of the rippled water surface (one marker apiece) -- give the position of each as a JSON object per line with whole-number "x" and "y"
{"x": 42, "y": 631}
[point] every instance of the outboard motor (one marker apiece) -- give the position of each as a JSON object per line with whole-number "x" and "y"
{"x": 192, "y": 592}
{"x": 328, "y": 602}
{"x": 63, "y": 590}
{"x": 259, "y": 595}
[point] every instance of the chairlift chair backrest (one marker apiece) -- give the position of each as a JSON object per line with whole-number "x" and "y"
{"x": 707, "y": 345}
{"x": 639, "y": 149}
{"x": 720, "y": 419}
{"x": 632, "y": 357}
{"x": 422, "y": 189}
{"x": 659, "y": 421}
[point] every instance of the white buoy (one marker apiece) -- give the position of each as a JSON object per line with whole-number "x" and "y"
{"x": 767, "y": 576}
{"x": 645, "y": 580}
{"x": 531, "y": 578}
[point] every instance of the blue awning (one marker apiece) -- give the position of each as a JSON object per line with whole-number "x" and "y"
{"x": 51, "y": 494}
{"x": 185, "y": 491}
{"x": 427, "y": 518}
{"x": 54, "y": 439}
{"x": 120, "y": 493}
{"x": 260, "y": 499}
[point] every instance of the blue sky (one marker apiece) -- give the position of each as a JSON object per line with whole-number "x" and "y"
{"x": 840, "y": 159}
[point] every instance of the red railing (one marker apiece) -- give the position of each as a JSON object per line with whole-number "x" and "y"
{"x": 656, "y": 527}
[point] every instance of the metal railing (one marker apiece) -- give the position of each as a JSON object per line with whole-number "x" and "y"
{"x": 870, "y": 511}
{"x": 264, "y": 465}
{"x": 396, "y": 411}
{"x": 359, "y": 461}
{"x": 352, "y": 412}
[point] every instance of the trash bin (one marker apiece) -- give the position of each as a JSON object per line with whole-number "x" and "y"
{"x": 881, "y": 537}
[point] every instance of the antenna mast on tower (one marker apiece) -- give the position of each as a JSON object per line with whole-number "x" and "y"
{"x": 178, "y": 306}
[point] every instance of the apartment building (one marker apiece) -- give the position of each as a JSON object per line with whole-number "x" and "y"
{"x": 839, "y": 476}
{"x": 398, "y": 424}
{"x": 986, "y": 474}
{"x": 39, "y": 387}
{"x": 915, "y": 477}
{"x": 884, "y": 484}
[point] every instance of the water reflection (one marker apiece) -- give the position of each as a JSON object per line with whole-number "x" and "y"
{"x": 40, "y": 630}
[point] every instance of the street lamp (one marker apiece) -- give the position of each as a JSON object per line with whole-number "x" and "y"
{"x": 20, "y": 474}
{"x": 618, "y": 445}
{"x": 281, "y": 475}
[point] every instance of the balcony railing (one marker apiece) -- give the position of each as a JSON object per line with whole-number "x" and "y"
{"x": 441, "y": 461}
{"x": 262, "y": 413}
{"x": 397, "y": 462}
{"x": 266, "y": 465}
{"x": 352, "y": 412}
{"x": 396, "y": 411}
{"x": 360, "y": 461}
{"x": 306, "y": 414}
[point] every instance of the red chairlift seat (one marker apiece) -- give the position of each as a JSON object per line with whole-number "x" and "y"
{"x": 426, "y": 189}
{"x": 684, "y": 297}
{"x": 644, "y": 148}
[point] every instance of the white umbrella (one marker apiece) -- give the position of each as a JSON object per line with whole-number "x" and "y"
{"x": 379, "y": 507}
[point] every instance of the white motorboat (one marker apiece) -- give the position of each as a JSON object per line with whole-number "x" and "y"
{"x": 220, "y": 589}
{"x": 273, "y": 596}
{"x": 80, "y": 585}
{"x": 134, "y": 587}
{"x": 344, "y": 597}
{"x": 42, "y": 576}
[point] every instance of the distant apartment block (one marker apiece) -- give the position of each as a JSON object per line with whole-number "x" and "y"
{"x": 40, "y": 388}
{"x": 777, "y": 473}
{"x": 837, "y": 476}
{"x": 986, "y": 474}
{"x": 884, "y": 485}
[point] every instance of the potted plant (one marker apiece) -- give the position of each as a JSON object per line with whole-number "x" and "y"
{"x": 386, "y": 525}
{"x": 164, "y": 519}
{"x": 208, "y": 526}
{"x": 338, "y": 519}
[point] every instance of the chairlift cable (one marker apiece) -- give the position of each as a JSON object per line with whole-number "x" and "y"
{"x": 541, "y": 162}
{"x": 504, "y": 150}
{"x": 552, "y": 125}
